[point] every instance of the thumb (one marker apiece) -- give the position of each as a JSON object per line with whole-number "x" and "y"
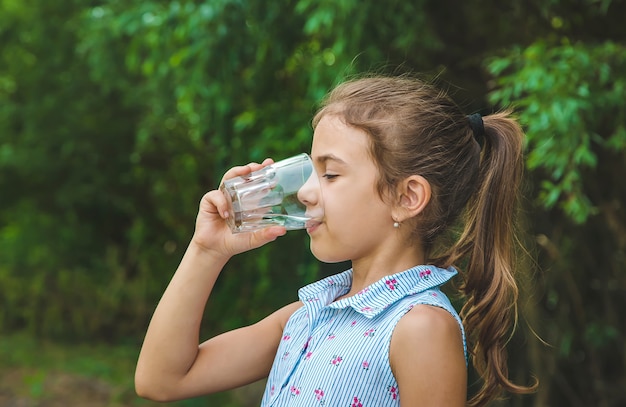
{"x": 263, "y": 236}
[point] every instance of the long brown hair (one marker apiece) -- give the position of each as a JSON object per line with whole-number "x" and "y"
{"x": 415, "y": 128}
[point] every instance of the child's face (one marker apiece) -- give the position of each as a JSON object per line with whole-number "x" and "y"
{"x": 356, "y": 222}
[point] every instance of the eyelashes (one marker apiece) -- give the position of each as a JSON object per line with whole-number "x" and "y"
{"x": 330, "y": 176}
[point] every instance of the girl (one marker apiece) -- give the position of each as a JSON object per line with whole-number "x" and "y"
{"x": 400, "y": 165}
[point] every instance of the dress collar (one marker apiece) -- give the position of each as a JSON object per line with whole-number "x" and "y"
{"x": 375, "y": 298}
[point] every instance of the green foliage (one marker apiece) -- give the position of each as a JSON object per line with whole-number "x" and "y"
{"x": 571, "y": 100}
{"x": 117, "y": 116}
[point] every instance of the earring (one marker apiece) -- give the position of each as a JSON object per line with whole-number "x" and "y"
{"x": 396, "y": 225}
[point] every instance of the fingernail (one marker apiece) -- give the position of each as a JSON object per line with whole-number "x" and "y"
{"x": 226, "y": 214}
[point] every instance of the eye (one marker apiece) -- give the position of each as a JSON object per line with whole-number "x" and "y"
{"x": 330, "y": 176}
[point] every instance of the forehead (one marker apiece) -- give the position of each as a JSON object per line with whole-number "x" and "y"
{"x": 334, "y": 141}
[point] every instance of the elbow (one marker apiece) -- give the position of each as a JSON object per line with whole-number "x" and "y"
{"x": 151, "y": 390}
{"x": 146, "y": 391}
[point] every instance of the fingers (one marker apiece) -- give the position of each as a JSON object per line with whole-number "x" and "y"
{"x": 260, "y": 237}
{"x": 218, "y": 200}
{"x": 215, "y": 199}
{"x": 242, "y": 170}
{"x": 273, "y": 232}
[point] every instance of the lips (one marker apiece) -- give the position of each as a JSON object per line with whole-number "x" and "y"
{"x": 312, "y": 224}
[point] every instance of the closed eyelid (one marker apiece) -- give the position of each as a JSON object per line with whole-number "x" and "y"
{"x": 329, "y": 165}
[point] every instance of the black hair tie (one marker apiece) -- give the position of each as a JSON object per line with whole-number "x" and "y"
{"x": 478, "y": 128}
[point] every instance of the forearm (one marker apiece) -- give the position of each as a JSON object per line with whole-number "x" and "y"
{"x": 171, "y": 343}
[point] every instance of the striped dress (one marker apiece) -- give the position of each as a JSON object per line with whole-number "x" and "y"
{"x": 336, "y": 353}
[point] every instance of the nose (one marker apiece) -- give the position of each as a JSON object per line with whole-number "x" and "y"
{"x": 310, "y": 193}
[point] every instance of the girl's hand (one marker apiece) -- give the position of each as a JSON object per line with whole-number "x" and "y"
{"x": 213, "y": 234}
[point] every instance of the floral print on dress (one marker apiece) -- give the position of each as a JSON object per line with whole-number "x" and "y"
{"x": 336, "y": 360}
{"x": 425, "y": 274}
{"x": 295, "y": 391}
{"x": 369, "y": 333}
{"x": 392, "y": 283}
{"x": 365, "y": 365}
{"x": 356, "y": 402}
{"x": 393, "y": 392}
{"x": 319, "y": 396}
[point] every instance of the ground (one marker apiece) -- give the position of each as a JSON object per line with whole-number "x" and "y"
{"x": 39, "y": 373}
{"x": 29, "y": 388}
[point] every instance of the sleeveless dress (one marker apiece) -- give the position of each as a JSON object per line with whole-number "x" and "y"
{"x": 336, "y": 353}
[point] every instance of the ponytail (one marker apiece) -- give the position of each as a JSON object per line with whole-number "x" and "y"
{"x": 487, "y": 242}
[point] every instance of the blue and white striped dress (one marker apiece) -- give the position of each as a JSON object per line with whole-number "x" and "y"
{"x": 336, "y": 353}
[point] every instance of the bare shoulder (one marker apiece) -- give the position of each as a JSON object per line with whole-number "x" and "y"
{"x": 427, "y": 358}
{"x": 273, "y": 324}
{"x": 282, "y": 315}
{"x": 428, "y": 322}
{"x": 431, "y": 329}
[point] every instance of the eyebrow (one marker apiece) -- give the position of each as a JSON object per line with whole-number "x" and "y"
{"x": 322, "y": 159}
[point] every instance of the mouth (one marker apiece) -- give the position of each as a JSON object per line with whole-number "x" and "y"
{"x": 312, "y": 224}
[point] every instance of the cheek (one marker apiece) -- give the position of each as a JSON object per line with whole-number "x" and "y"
{"x": 353, "y": 209}
{"x": 330, "y": 243}
{"x": 340, "y": 204}
{"x": 340, "y": 237}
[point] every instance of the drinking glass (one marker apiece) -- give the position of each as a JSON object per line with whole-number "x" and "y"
{"x": 269, "y": 196}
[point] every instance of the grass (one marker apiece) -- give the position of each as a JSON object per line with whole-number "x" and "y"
{"x": 34, "y": 373}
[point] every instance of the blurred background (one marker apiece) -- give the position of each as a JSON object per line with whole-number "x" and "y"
{"x": 116, "y": 116}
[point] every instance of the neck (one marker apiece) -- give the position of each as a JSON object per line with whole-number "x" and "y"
{"x": 373, "y": 268}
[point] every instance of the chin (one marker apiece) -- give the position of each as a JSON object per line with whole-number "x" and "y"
{"x": 327, "y": 254}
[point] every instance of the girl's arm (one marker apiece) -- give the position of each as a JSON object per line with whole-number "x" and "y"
{"x": 427, "y": 359}
{"x": 172, "y": 365}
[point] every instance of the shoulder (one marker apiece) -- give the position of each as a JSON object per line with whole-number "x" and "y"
{"x": 282, "y": 315}
{"x": 428, "y": 339}
{"x": 426, "y": 327}
{"x": 427, "y": 322}
{"x": 273, "y": 325}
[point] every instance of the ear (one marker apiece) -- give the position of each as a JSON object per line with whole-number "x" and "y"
{"x": 413, "y": 195}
